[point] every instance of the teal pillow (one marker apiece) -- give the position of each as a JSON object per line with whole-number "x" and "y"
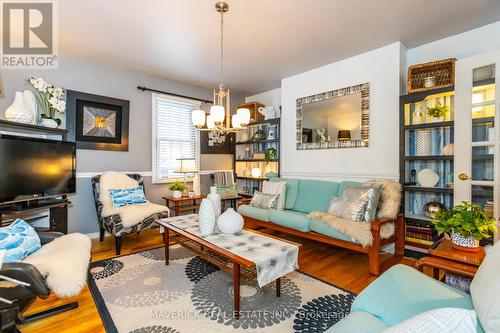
{"x": 130, "y": 196}
{"x": 19, "y": 240}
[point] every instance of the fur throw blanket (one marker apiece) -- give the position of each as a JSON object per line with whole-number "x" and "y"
{"x": 390, "y": 197}
{"x": 131, "y": 214}
{"x": 64, "y": 262}
{"x": 359, "y": 231}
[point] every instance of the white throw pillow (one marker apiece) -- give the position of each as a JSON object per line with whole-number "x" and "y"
{"x": 442, "y": 320}
{"x": 485, "y": 291}
{"x": 276, "y": 188}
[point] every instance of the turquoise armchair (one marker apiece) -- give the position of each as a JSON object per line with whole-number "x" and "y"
{"x": 403, "y": 292}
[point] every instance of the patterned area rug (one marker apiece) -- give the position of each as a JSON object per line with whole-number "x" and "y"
{"x": 138, "y": 293}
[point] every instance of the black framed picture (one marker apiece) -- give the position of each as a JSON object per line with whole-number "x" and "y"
{"x": 97, "y": 122}
{"x": 214, "y": 143}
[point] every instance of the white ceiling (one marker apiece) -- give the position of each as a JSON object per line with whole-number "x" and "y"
{"x": 266, "y": 40}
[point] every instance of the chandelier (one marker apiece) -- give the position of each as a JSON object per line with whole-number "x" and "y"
{"x": 220, "y": 119}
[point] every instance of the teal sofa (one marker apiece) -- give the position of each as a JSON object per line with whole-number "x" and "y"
{"x": 305, "y": 196}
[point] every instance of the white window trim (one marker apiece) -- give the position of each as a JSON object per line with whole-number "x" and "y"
{"x": 154, "y": 141}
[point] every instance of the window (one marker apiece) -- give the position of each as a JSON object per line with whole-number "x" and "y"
{"x": 174, "y": 135}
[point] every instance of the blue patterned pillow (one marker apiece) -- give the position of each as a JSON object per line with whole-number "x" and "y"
{"x": 19, "y": 240}
{"x": 130, "y": 196}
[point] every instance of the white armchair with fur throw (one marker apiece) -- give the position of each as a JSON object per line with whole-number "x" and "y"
{"x": 128, "y": 218}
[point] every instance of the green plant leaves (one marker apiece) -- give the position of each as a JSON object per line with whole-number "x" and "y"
{"x": 467, "y": 219}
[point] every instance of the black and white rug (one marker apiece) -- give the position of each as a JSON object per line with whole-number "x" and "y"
{"x": 138, "y": 293}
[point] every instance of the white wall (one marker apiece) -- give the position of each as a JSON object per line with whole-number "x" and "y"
{"x": 381, "y": 68}
{"x": 271, "y": 97}
{"x": 466, "y": 44}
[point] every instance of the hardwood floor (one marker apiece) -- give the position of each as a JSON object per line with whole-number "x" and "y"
{"x": 343, "y": 268}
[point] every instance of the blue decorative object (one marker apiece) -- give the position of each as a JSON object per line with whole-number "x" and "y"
{"x": 131, "y": 196}
{"x": 19, "y": 240}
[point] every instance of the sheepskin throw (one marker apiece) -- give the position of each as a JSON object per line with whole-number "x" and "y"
{"x": 130, "y": 214}
{"x": 359, "y": 231}
{"x": 390, "y": 197}
{"x": 64, "y": 262}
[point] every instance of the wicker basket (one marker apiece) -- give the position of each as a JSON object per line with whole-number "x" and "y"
{"x": 443, "y": 71}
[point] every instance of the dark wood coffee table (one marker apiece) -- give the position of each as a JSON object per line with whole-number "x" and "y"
{"x": 222, "y": 258}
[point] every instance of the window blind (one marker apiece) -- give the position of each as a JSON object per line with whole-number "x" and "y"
{"x": 174, "y": 135}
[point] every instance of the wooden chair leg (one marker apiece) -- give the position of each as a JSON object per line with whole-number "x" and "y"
{"x": 399, "y": 234}
{"x": 118, "y": 245}
{"x": 101, "y": 234}
{"x": 374, "y": 251}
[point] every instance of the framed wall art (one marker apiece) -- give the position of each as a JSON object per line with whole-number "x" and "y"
{"x": 97, "y": 122}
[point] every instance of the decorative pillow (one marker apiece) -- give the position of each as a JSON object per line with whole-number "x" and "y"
{"x": 276, "y": 188}
{"x": 264, "y": 201}
{"x": 131, "y": 196}
{"x": 18, "y": 240}
{"x": 356, "y": 204}
{"x": 484, "y": 290}
{"x": 442, "y": 320}
{"x": 390, "y": 197}
{"x": 228, "y": 191}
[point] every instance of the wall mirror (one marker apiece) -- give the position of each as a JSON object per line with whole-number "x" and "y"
{"x": 334, "y": 119}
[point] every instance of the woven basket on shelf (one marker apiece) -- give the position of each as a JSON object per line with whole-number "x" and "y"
{"x": 442, "y": 70}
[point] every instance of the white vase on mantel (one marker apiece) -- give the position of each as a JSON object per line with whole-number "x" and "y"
{"x": 206, "y": 217}
{"x": 18, "y": 112}
{"x": 215, "y": 198}
{"x": 47, "y": 122}
{"x": 230, "y": 222}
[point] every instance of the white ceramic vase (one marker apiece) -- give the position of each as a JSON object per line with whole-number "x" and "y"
{"x": 230, "y": 222}
{"x": 424, "y": 143}
{"x": 206, "y": 217}
{"x": 18, "y": 111}
{"x": 47, "y": 122}
{"x": 216, "y": 202}
{"x": 177, "y": 194}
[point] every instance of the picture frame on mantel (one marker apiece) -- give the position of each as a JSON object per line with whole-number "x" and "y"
{"x": 97, "y": 122}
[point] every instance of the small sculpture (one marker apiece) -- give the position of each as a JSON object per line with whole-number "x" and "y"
{"x": 268, "y": 112}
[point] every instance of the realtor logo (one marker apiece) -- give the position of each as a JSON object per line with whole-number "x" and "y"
{"x": 29, "y": 34}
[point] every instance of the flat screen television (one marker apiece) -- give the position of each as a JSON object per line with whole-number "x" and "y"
{"x": 35, "y": 168}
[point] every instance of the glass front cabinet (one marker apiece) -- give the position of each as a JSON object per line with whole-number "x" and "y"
{"x": 450, "y": 147}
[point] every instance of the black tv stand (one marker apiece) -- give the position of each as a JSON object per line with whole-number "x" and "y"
{"x": 58, "y": 212}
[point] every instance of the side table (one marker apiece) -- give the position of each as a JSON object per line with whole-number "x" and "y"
{"x": 184, "y": 203}
{"x": 446, "y": 258}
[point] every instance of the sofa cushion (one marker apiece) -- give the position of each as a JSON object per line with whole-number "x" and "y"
{"x": 347, "y": 184}
{"x": 359, "y": 322}
{"x": 290, "y": 219}
{"x": 254, "y": 212}
{"x": 403, "y": 292}
{"x": 485, "y": 289}
{"x": 321, "y": 227}
{"x": 315, "y": 195}
{"x": 292, "y": 189}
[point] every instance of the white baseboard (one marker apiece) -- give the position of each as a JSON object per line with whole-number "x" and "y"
{"x": 95, "y": 235}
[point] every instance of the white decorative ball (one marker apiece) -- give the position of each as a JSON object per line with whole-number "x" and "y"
{"x": 230, "y": 222}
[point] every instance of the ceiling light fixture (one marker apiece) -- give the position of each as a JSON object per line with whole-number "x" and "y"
{"x": 220, "y": 119}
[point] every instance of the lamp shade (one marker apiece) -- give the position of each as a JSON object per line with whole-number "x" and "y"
{"x": 198, "y": 118}
{"x": 244, "y": 115}
{"x": 186, "y": 165}
{"x": 344, "y": 135}
{"x": 235, "y": 121}
{"x": 210, "y": 122}
{"x": 217, "y": 112}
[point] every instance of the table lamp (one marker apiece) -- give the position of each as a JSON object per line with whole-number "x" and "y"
{"x": 185, "y": 166}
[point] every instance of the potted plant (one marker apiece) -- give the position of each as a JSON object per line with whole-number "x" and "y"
{"x": 468, "y": 224}
{"x": 177, "y": 189}
{"x": 438, "y": 112}
{"x": 50, "y": 101}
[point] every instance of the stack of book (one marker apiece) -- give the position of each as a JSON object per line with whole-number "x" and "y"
{"x": 420, "y": 235}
